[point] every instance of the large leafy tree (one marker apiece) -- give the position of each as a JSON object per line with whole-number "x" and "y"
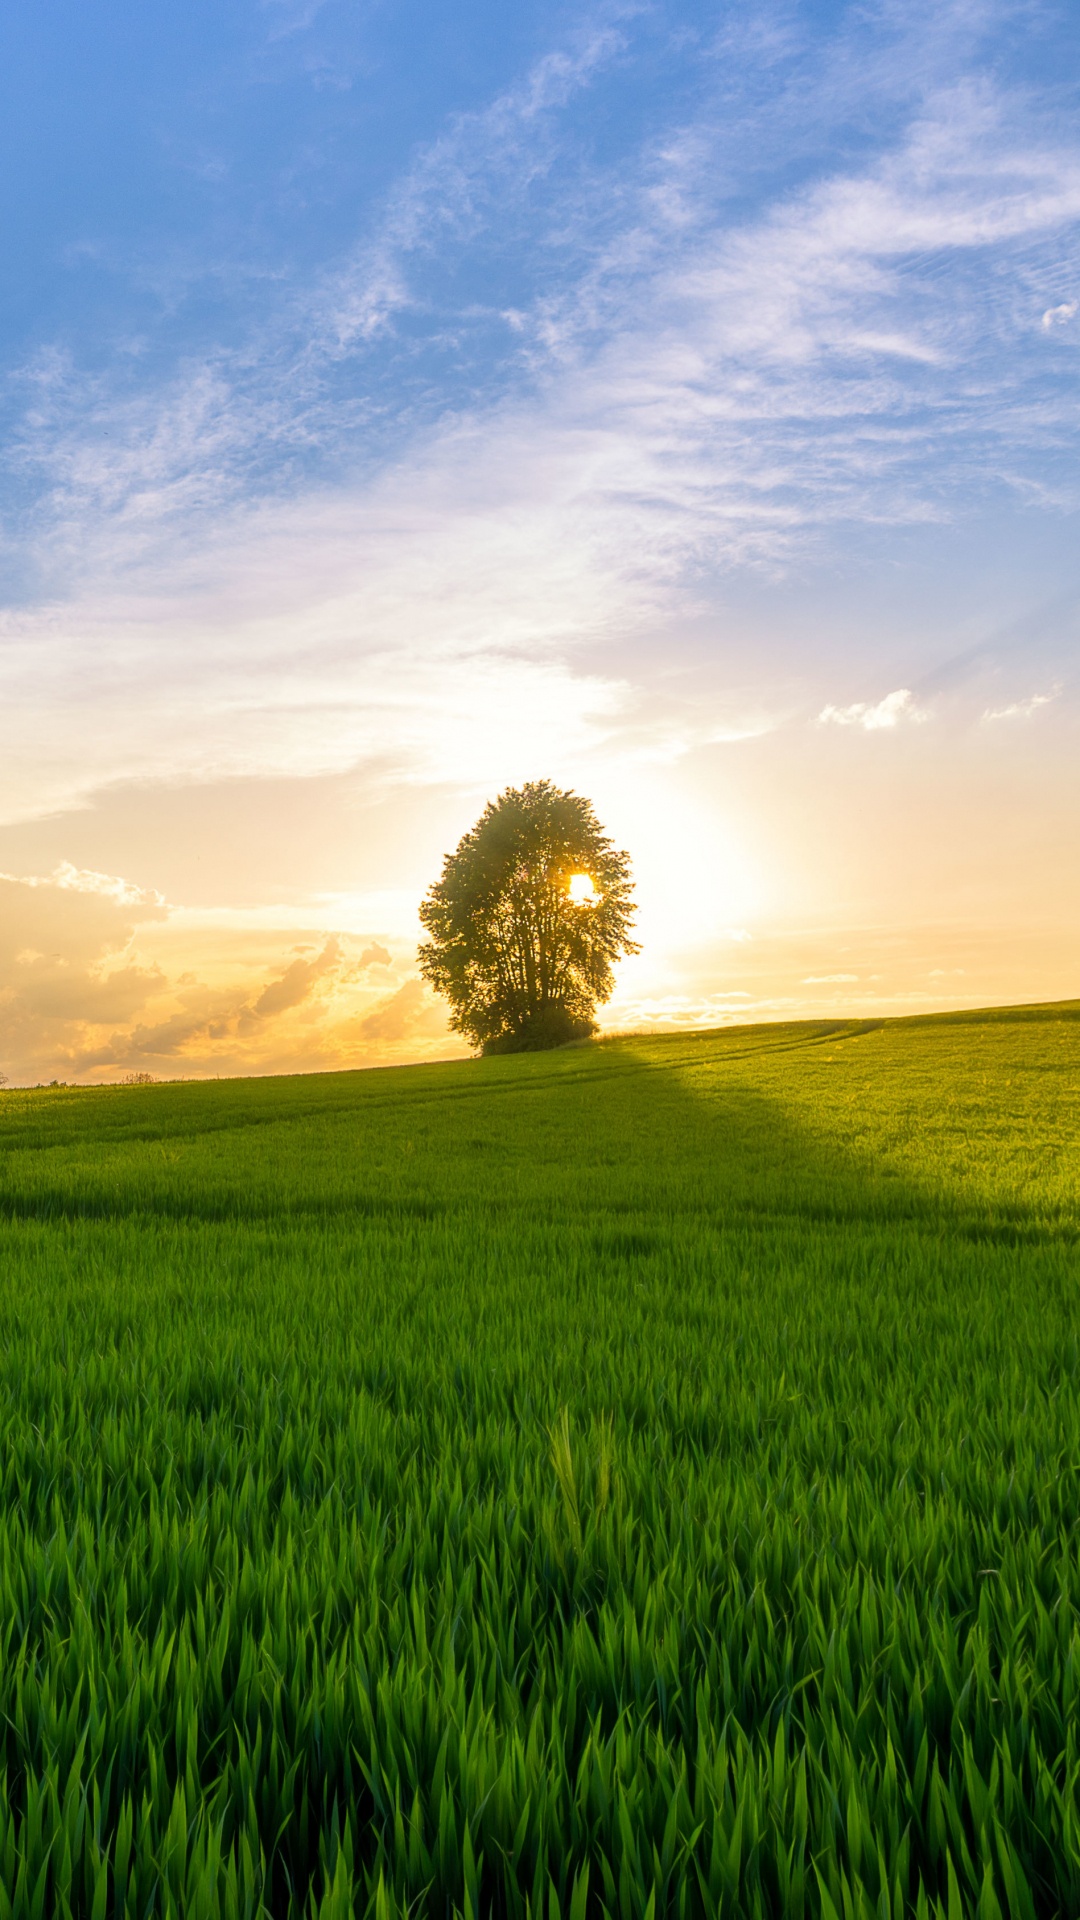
{"x": 527, "y": 921}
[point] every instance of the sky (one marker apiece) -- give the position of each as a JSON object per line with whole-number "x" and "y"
{"x": 402, "y": 401}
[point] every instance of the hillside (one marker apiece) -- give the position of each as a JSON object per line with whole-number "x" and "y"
{"x": 639, "y": 1479}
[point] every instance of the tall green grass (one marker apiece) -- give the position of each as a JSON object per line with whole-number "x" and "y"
{"x": 639, "y": 1480}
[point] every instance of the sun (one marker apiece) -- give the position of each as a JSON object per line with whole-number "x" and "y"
{"x": 581, "y": 890}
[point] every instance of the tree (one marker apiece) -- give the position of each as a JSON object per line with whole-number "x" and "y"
{"x": 527, "y": 921}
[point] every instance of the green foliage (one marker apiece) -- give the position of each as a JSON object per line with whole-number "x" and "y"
{"x": 523, "y": 965}
{"x": 635, "y": 1481}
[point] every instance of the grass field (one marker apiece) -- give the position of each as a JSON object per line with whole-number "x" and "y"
{"x": 641, "y": 1479}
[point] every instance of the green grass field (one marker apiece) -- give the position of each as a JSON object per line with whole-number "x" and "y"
{"x": 640, "y": 1479}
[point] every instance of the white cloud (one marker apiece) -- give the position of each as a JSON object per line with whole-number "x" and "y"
{"x": 1023, "y": 709}
{"x": 86, "y": 880}
{"x": 890, "y": 712}
{"x": 72, "y": 879}
{"x": 829, "y": 979}
{"x": 1059, "y": 316}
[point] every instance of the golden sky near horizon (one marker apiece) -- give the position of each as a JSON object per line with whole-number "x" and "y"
{"x": 220, "y": 938}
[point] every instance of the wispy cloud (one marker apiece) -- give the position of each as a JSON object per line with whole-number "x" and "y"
{"x": 1023, "y": 709}
{"x": 893, "y": 711}
{"x": 477, "y": 176}
{"x": 733, "y": 382}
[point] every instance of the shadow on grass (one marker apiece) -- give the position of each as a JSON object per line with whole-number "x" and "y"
{"x": 623, "y": 1137}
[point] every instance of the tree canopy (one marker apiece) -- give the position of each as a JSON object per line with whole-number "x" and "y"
{"x": 531, "y": 913}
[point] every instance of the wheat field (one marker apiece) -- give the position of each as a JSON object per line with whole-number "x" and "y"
{"x": 638, "y": 1480}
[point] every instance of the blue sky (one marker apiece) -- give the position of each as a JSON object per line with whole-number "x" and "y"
{"x": 400, "y": 401}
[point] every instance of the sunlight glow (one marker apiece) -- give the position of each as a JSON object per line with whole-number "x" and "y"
{"x": 581, "y": 890}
